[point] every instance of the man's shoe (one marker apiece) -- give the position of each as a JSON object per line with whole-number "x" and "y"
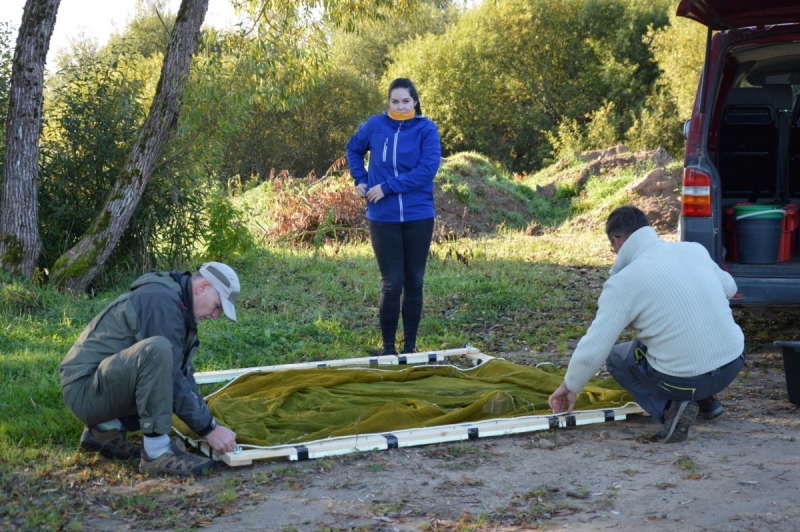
{"x": 710, "y": 408}
{"x": 176, "y": 461}
{"x": 110, "y": 443}
{"x": 678, "y": 418}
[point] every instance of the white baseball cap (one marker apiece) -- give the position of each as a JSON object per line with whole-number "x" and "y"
{"x": 225, "y": 281}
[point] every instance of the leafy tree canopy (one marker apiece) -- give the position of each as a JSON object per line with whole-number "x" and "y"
{"x": 679, "y": 51}
{"x": 510, "y": 72}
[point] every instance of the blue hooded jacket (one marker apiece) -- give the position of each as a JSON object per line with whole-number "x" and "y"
{"x": 404, "y": 158}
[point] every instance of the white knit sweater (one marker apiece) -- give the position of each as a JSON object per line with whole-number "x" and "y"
{"x": 676, "y": 297}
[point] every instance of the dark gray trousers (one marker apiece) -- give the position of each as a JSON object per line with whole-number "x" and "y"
{"x": 401, "y": 250}
{"x": 652, "y": 389}
{"x": 137, "y": 382}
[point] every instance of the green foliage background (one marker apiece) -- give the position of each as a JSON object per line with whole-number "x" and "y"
{"x": 6, "y": 55}
{"x": 523, "y": 82}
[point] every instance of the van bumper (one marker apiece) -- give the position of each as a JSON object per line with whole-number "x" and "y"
{"x": 766, "y": 292}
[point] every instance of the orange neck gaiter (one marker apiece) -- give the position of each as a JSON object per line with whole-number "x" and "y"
{"x": 402, "y": 116}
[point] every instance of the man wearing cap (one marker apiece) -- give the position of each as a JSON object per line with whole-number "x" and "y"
{"x": 132, "y": 368}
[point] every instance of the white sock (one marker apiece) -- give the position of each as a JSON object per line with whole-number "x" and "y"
{"x": 155, "y": 446}
{"x": 110, "y": 425}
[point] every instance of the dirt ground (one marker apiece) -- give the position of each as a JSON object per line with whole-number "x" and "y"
{"x": 737, "y": 473}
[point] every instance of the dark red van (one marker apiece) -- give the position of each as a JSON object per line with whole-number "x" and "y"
{"x": 741, "y": 180}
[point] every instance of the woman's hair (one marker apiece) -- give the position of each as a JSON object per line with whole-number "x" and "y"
{"x": 405, "y": 83}
{"x": 624, "y": 221}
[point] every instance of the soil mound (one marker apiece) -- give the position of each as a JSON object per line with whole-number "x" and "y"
{"x": 471, "y": 198}
{"x": 657, "y": 192}
{"x": 478, "y": 205}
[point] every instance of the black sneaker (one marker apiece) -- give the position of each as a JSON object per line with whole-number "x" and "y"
{"x": 110, "y": 443}
{"x": 710, "y": 408}
{"x": 678, "y": 418}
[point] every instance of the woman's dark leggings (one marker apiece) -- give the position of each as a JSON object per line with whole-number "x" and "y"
{"x": 401, "y": 249}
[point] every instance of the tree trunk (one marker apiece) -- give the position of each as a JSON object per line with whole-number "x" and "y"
{"x": 20, "y": 243}
{"x": 76, "y": 268}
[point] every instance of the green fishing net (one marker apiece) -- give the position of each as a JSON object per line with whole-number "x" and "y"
{"x": 294, "y": 406}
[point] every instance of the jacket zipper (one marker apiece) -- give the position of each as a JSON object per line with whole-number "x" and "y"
{"x": 394, "y": 167}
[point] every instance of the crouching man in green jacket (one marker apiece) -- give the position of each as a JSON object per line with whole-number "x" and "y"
{"x": 132, "y": 368}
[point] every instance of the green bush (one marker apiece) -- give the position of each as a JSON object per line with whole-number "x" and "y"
{"x": 225, "y": 236}
{"x": 304, "y": 138}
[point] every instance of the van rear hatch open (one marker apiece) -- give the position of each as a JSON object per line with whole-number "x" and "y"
{"x": 743, "y": 141}
{"x": 729, "y": 14}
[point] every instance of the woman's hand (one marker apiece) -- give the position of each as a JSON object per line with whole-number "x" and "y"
{"x": 361, "y": 189}
{"x": 374, "y": 194}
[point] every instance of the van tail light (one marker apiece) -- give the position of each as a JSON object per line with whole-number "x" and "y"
{"x": 696, "y": 198}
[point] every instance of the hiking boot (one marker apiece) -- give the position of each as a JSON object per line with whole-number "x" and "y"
{"x": 678, "y": 418}
{"x": 710, "y": 408}
{"x": 110, "y": 443}
{"x": 177, "y": 461}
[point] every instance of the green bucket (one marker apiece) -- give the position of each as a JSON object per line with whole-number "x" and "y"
{"x": 760, "y": 212}
{"x": 758, "y": 232}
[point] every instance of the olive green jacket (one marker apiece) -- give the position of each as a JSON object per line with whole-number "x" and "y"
{"x": 158, "y": 304}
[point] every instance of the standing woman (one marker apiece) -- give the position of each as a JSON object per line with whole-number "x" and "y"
{"x": 404, "y": 157}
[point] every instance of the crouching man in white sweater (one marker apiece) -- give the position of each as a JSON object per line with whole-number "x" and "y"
{"x": 688, "y": 348}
